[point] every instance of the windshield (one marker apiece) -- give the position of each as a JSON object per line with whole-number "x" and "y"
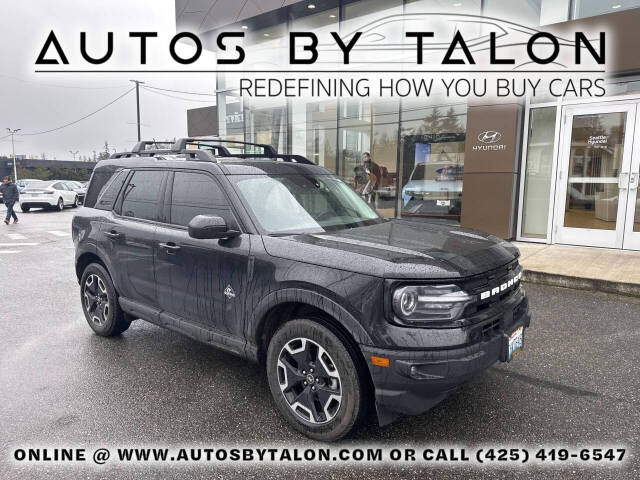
{"x": 290, "y": 204}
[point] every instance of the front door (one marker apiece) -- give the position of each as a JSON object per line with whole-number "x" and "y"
{"x": 597, "y": 180}
{"x": 202, "y": 281}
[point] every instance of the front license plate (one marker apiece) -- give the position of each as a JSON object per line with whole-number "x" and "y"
{"x": 443, "y": 203}
{"x": 516, "y": 340}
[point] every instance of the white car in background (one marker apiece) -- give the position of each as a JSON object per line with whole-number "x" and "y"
{"x": 48, "y": 194}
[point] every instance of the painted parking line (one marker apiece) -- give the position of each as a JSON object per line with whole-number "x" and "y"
{"x": 9, "y": 251}
{"x": 16, "y": 236}
{"x": 18, "y": 244}
{"x": 59, "y": 233}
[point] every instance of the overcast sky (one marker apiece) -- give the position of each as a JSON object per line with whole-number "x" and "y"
{"x": 37, "y": 102}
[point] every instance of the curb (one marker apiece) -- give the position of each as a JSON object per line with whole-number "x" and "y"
{"x": 581, "y": 283}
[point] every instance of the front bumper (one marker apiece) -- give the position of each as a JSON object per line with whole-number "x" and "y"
{"x": 417, "y": 380}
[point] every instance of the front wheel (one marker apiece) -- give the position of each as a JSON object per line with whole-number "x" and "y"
{"x": 60, "y": 205}
{"x": 315, "y": 381}
{"x": 100, "y": 302}
{"x": 75, "y": 202}
{"x": 25, "y": 209}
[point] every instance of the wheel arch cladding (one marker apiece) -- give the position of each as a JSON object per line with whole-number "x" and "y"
{"x": 85, "y": 260}
{"x": 283, "y": 305}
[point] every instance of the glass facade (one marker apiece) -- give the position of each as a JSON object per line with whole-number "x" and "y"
{"x": 537, "y": 183}
{"x": 416, "y": 149}
{"x": 433, "y": 142}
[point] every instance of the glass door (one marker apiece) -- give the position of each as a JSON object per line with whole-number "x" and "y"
{"x": 632, "y": 226}
{"x": 594, "y": 175}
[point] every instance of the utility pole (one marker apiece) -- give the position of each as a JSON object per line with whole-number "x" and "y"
{"x": 74, "y": 154}
{"x": 138, "y": 82}
{"x": 13, "y": 149}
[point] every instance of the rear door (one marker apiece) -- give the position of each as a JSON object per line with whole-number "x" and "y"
{"x": 193, "y": 274}
{"x": 128, "y": 235}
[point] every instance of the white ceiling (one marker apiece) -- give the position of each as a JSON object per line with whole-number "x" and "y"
{"x": 203, "y": 15}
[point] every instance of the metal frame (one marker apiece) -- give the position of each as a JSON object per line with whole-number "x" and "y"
{"x": 560, "y": 105}
{"x": 180, "y": 147}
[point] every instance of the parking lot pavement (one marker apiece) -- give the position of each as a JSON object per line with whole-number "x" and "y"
{"x": 576, "y": 384}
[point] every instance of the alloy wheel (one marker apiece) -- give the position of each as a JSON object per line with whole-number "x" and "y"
{"x": 309, "y": 381}
{"x": 96, "y": 299}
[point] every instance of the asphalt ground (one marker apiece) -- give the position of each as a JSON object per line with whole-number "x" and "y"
{"x": 576, "y": 384}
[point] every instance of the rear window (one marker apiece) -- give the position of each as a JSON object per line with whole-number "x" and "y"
{"x": 142, "y": 195}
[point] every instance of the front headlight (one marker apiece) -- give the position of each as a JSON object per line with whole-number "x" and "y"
{"x": 424, "y": 303}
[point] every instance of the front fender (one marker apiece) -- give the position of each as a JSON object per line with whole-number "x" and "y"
{"x": 255, "y": 320}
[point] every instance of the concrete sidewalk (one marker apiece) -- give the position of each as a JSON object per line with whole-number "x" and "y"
{"x": 586, "y": 268}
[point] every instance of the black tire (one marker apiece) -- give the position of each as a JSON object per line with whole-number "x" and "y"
{"x": 100, "y": 303}
{"x": 25, "y": 209}
{"x": 328, "y": 422}
{"x": 75, "y": 202}
{"x": 60, "y": 205}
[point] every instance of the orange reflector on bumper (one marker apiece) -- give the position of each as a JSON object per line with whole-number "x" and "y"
{"x": 380, "y": 361}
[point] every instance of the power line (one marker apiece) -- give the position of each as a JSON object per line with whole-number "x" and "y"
{"x": 181, "y": 91}
{"x": 82, "y": 118}
{"x": 179, "y": 98}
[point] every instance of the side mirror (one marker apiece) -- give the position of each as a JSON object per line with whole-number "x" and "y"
{"x": 209, "y": 227}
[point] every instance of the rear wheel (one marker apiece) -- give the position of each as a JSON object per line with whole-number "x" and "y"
{"x": 315, "y": 380}
{"x": 100, "y": 302}
{"x": 60, "y": 205}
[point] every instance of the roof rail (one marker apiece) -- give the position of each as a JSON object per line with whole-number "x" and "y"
{"x": 182, "y": 143}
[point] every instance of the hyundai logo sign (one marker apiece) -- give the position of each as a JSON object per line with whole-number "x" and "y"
{"x": 490, "y": 136}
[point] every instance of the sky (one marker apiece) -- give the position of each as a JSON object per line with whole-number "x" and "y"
{"x": 35, "y": 102}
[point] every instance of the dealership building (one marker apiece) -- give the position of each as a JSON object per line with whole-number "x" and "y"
{"x": 547, "y": 169}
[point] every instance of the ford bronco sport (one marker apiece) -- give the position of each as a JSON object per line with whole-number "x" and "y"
{"x": 275, "y": 259}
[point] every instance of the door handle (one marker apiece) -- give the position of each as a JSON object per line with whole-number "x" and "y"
{"x": 623, "y": 181}
{"x": 170, "y": 247}
{"x": 633, "y": 181}
{"x": 112, "y": 235}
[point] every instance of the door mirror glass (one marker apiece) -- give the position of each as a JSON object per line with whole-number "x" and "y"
{"x": 210, "y": 226}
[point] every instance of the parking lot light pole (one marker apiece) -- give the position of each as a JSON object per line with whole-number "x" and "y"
{"x": 13, "y": 150}
{"x": 74, "y": 154}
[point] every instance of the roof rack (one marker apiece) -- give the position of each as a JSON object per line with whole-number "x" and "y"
{"x": 210, "y": 154}
{"x": 142, "y": 146}
{"x": 269, "y": 151}
{"x": 182, "y": 143}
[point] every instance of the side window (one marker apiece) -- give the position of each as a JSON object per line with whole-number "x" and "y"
{"x": 197, "y": 194}
{"x": 141, "y": 195}
{"x": 110, "y": 190}
{"x": 59, "y": 186}
{"x": 100, "y": 178}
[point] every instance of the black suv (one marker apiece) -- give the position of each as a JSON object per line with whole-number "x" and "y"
{"x": 275, "y": 259}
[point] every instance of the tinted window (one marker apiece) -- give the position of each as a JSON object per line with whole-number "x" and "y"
{"x": 141, "y": 195}
{"x": 110, "y": 190}
{"x": 197, "y": 194}
{"x": 59, "y": 186}
{"x": 99, "y": 179}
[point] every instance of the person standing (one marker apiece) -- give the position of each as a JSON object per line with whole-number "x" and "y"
{"x": 10, "y": 196}
{"x": 370, "y": 179}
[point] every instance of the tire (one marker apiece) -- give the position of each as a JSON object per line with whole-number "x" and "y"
{"x": 75, "y": 202}
{"x": 100, "y": 302}
{"x": 60, "y": 205}
{"x": 25, "y": 209}
{"x": 336, "y": 402}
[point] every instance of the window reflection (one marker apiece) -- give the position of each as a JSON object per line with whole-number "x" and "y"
{"x": 433, "y": 161}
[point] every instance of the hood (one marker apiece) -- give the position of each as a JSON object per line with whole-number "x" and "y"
{"x": 399, "y": 249}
